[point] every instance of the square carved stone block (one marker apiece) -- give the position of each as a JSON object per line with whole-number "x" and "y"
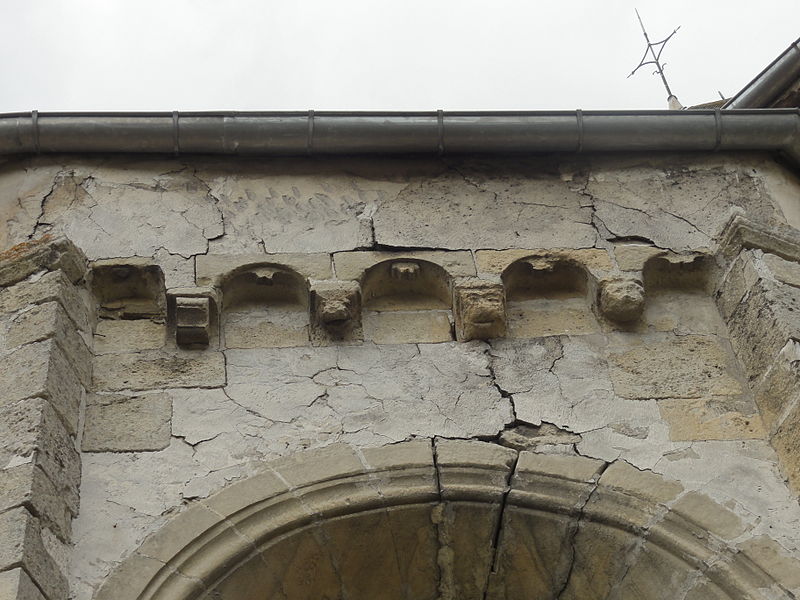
{"x": 192, "y": 320}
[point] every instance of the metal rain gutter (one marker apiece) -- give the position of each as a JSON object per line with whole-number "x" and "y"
{"x": 435, "y": 133}
{"x": 771, "y": 82}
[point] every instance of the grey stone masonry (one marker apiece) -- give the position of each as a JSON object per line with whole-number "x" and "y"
{"x": 760, "y": 298}
{"x": 45, "y": 368}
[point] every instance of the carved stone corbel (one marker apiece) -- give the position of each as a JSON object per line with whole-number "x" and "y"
{"x": 621, "y": 299}
{"x": 192, "y": 315}
{"x": 480, "y": 309}
{"x": 335, "y": 311}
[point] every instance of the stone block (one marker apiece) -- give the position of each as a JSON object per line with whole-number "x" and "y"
{"x": 213, "y": 268}
{"x": 33, "y": 433}
{"x": 644, "y": 484}
{"x": 17, "y": 585}
{"x": 710, "y": 515}
{"x": 130, "y": 578}
{"x": 49, "y": 287}
{"x": 45, "y": 321}
{"x": 117, "y": 423}
{"x": 407, "y": 327}
{"x": 690, "y": 366}
{"x": 176, "y": 535}
{"x": 773, "y": 559}
{"x": 42, "y": 370}
{"x": 544, "y": 317}
{"x": 785, "y": 271}
{"x": 192, "y": 321}
{"x": 573, "y": 468}
{"x": 741, "y": 276}
{"x": 763, "y": 322}
{"x": 153, "y": 369}
{"x": 279, "y": 327}
{"x": 459, "y": 453}
{"x": 472, "y": 470}
{"x": 27, "y": 485}
{"x": 778, "y": 391}
{"x": 480, "y": 310}
{"x": 45, "y": 253}
{"x": 335, "y": 311}
{"x": 114, "y": 336}
{"x": 786, "y": 441}
{"x": 352, "y": 265}
{"x": 681, "y": 311}
{"x": 711, "y": 418}
{"x": 411, "y": 454}
{"x": 324, "y": 464}
{"x": 22, "y": 547}
{"x": 241, "y": 495}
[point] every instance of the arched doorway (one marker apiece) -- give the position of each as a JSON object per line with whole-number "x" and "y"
{"x": 454, "y": 519}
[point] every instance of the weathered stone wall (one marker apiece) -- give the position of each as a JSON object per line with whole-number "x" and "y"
{"x": 45, "y": 368}
{"x": 248, "y": 310}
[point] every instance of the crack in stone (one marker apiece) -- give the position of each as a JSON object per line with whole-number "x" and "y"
{"x": 498, "y": 531}
{"x": 436, "y": 520}
{"x": 574, "y": 533}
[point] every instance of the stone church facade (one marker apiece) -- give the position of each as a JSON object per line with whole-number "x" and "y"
{"x": 497, "y": 374}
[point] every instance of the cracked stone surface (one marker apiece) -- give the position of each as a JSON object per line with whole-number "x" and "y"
{"x": 171, "y": 212}
{"x": 527, "y": 212}
{"x": 370, "y": 393}
{"x": 670, "y": 402}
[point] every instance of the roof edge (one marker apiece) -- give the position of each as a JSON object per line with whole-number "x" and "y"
{"x": 436, "y": 132}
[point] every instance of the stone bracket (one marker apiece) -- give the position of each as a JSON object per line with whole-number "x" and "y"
{"x": 193, "y": 314}
{"x": 621, "y": 299}
{"x": 335, "y": 311}
{"x": 480, "y": 309}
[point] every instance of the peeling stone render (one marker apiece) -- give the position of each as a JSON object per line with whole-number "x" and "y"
{"x": 574, "y": 395}
{"x": 118, "y": 207}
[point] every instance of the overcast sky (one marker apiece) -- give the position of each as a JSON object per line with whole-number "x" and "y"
{"x": 378, "y": 55}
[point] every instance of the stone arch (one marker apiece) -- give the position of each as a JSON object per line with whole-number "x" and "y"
{"x": 549, "y": 295}
{"x": 457, "y": 519}
{"x": 264, "y": 305}
{"x": 407, "y": 300}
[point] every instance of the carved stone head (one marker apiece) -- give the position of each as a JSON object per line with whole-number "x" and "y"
{"x": 336, "y": 309}
{"x": 621, "y": 300}
{"x": 480, "y": 310}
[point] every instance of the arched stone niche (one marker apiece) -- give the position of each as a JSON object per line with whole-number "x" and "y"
{"x": 131, "y": 304}
{"x": 264, "y": 305}
{"x": 407, "y": 300}
{"x": 680, "y": 294}
{"x": 548, "y": 296}
{"x": 461, "y": 519}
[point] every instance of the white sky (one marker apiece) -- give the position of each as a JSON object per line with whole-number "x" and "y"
{"x": 377, "y": 55}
